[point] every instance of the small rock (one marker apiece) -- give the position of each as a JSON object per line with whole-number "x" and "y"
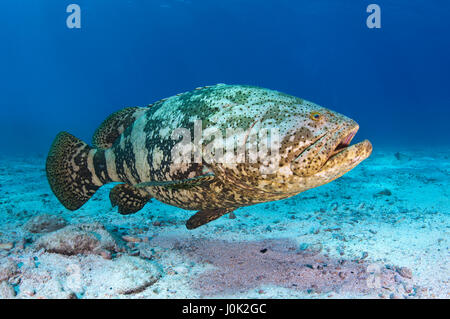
{"x": 384, "y": 192}
{"x": 232, "y": 215}
{"x": 134, "y": 252}
{"x": 45, "y": 223}
{"x": 131, "y": 239}
{"x": 405, "y": 272}
{"x": 106, "y": 254}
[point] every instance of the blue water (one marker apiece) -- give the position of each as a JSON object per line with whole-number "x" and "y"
{"x": 393, "y": 81}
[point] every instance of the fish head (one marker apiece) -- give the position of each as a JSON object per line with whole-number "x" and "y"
{"x": 316, "y": 150}
{"x": 329, "y": 153}
{"x": 304, "y": 146}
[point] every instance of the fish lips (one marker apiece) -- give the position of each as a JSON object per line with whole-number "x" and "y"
{"x": 332, "y": 148}
{"x": 345, "y": 160}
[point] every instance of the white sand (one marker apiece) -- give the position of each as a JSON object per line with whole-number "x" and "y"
{"x": 346, "y": 218}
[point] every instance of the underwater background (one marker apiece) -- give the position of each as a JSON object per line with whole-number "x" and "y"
{"x": 393, "y": 81}
{"x": 390, "y": 214}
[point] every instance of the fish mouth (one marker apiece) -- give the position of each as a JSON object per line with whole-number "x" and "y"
{"x": 343, "y": 141}
{"x": 331, "y": 148}
{"x": 345, "y": 156}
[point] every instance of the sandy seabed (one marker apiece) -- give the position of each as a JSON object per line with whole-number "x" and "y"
{"x": 381, "y": 231}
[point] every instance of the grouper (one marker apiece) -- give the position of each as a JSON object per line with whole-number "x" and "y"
{"x": 203, "y": 150}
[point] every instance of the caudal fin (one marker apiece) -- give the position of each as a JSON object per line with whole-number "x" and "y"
{"x": 70, "y": 171}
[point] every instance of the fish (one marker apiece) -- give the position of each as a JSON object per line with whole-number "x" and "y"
{"x": 212, "y": 150}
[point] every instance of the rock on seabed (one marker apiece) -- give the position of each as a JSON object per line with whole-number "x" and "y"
{"x": 45, "y": 223}
{"x": 90, "y": 238}
{"x": 126, "y": 275}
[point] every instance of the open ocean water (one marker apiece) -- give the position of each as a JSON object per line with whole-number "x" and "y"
{"x": 379, "y": 231}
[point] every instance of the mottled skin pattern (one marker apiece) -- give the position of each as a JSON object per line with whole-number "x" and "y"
{"x": 135, "y": 146}
{"x": 143, "y": 152}
{"x": 114, "y": 125}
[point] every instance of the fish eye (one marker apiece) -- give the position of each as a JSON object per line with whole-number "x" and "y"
{"x": 315, "y": 116}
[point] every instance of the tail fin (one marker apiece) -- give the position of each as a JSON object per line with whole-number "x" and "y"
{"x": 70, "y": 171}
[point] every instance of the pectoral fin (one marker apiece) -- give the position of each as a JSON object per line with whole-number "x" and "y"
{"x": 128, "y": 198}
{"x": 205, "y": 216}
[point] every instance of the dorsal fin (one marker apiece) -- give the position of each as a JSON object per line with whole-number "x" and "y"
{"x": 114, "y": 125}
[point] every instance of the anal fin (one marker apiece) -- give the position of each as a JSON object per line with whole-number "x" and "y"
{"x": 129, "y": 199}
{"x": 205, "y": 216}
